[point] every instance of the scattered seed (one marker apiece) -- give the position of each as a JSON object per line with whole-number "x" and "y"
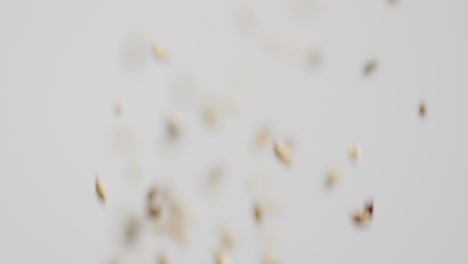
{"x": 258, "y": 214}
{"x": 228, "y": 238}
{"x": 174, "y": 129}
{"x": 256, "y": 184}
{"x": 354, "y": 152}
{"x": 160, "y": 52}
{"x": 270, "y": 259}
{"x": 216, "y": 175}
{"x": 263, "y": 137}
{"x": 331, "y": 177}
{"x": 246, "y": 17}
{"x": 209, "y": 115}
{"x": 132, "y": 230}
{"x": 275, "y": 43}
{"x": 100, "y": 191}
{"x": 118, "y": 108}
{"x": 162, "y": 259}
{"x": 422, "y": 110}
{"x": 283, "y": 152}
{"x": 222, "y": 257}
{"x": 365, "y": 216}
{"x": 152, "y": 193}
{"x": 370, "y": 67}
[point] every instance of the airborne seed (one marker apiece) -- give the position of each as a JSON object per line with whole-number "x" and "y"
{"x": 258, "y": 214}
{"x": 370, "y": 67}
{"x": 422, "y": 110}
{"x": 222, "y": 258}
{"x": 160, "y": 52}
{"x": 228, "y": 238}
{"x": 354, "y": 152}
{"x": 101, "y": 193}
{"x": 283, "y": 152}
{"x": 331, "y": 177}
{"x": 263, "y": 136}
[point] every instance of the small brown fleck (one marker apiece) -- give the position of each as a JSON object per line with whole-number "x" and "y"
{"x": 370, "y": 67}
{"x": 283, "y": 152}
{"x": 258, "y": 214}
{"x": 160, "y": 52}
{"x": 354, "y": 152}
{"x": 422, "y": 109}
{"x": 100, "y": 191}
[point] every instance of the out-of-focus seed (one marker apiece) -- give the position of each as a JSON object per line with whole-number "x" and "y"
{"x": 247, "y": 17}
{"x": 152, "y": 193}
{"x": 270, "y": 259}
{"x": 228, "y": 237}
{"x": 174, "y": 128}
{"x": 258, "y": 214}
{"x": 118, "y": 108}
{"x": 131, "y": 230}
{"x": 370, "y": 67}
{"x": 331, "y": 177}
{"x": 222, "y": 257}
{"x": 422, "y": 109}
{"x": 283, "y": 152}
{"x": 162, "y": 259}
{"x": 365, "y": 216}
{"x": 263, "y": 137}
{"x": 209, "y": 115}
{"x": 354, "y": 152}
{"x": 100, "y": 191}
{"x": 160, "y": 52}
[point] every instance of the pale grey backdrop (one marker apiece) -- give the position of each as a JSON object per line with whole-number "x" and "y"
{"x": 63, "y": 65}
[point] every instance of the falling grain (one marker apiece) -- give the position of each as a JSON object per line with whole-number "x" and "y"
{"x": 162, "y": 259}
{"x": 222, "y": 257}
{"x": 100, "y": 191}
{"x": 370, "y": 67}
{"x": 209, "y": 115}
{"x": 263, "y": 137}
{"x": 228, "y": 237}
{"x": 331, "y": 177}
{"x": 160, "y": 52}
{"x": 174, "y": 128}
{"x": 354, "y": 152}
{"x": 258, "y": 214}
{"x": 365, "y": 216}
{"x": 131, "y": 230}
{"x": 283, "y": 152}
{"x": 118, "y": 108}
{"x": 270, "y": 259}
{"x": 422, "y": 110}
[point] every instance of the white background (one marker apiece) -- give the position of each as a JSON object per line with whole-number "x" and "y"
{"x": 64, "y": 64}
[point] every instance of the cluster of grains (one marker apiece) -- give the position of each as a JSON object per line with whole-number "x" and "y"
{"x": 169, "y": 216}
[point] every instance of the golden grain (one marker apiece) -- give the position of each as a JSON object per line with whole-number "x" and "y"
{"x": 283, "y": 152}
